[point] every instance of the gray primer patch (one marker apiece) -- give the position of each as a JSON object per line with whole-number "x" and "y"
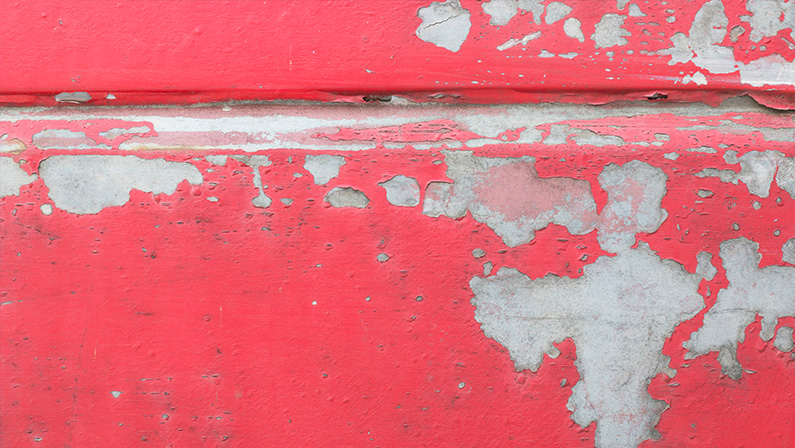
{"x": 573, "y": 28}
{"x": 768, "y": 70}
{"x": 784, "y": 340}
{"x": 65, "y": 139}
{"x": 478, "y": 253}
{"x": 788, "y": 250}
{"x": 89, "y": 183}
{"x": 708, "y": 30}
{"x": 261, "y": 200}
{"x": 12, "y": 177}
{"x": 217, "y": 160}
{"x": 46, "y": 209}
{"x": 402, "y": 191}
{"x": 618, "y": 313}
{"x": 382, "y": 257}
{"x": 72, "y": 97}
{"x": 111, "y": 134}
{"x": 115, "y": 393}
{"x": 508, "y": 195}
{"x": 757, "y": 170}
{"x": 445, "y": 24}
{"x": 609, "y": 32}
{"x": 768, "y": 17}
{"x": 324, "y": 167}
{"x": 768, "y": 292}
{"x": 502, "y": 11}
{"x": 346, "y": 197}
{"x": 11, "y": 145}
{"x": 634, "y": 11}
{"x": 556, "y": 11}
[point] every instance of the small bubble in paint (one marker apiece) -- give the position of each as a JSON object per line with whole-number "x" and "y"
{"x": 165, "y": 416}
{"x": 777, "y": 232}
{"x": 461, "y": 385}
{"x": 736, "y": 226}
{"x": 367, "y": 299}
{"x": 314, "y": 302}
{"x": 419, "y": 298}
{"x": 382, "y": 257}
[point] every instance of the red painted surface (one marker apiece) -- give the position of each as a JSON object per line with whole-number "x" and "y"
{"x": 199, "y": 51}
{"x": 228, "y": 325}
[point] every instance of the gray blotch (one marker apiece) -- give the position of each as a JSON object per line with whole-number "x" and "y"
{"x": 588, "y": 137}
{"x": 402, "y": 191}
{"x": 573, "y": 28}
{"x": 478, "y": 253}
{"x": 382, "y": 257}
{"x": 346, "y": 197}
{"x": 704, "y": 193}
{"x": 115, "y": 393}
{"x": 261, "y": 200}
{"x": 784, "y": 340}
{"x": 556, "y": 11}
{"x": 508, "y": 195}
{"x": 502, "y": 11}
{"x": 768, "y": 292}
{"x": 72, "y": 97}
{"x": 635, "y": 192}
{"x": 64, "y": 139}
{"x": 111, "y": 134}
{"x": 286, "y": 201}
{"x": 46, "y": 209}
{"x": 768, "y": 17}
{"x": 634, "y": 11}
{"x": 618, "y": 313}
{"x": 323, "y": 167}
{"x": 788, "y": 250}
{"x": 671, "y": 155}
{"x": 768, "y": 70}
{"x": 89, "y": 183}
{"x": 11, "y": 145}
{"x": 487, "y": 267}
{"x": 609, "y": 32}
{"x": 445, "y": 24}
{"x": 757, "y": 170}
{"x": 702, "y": 45}
{"x": 217, "y": 160}
{"x": 12, "y": 177}
{"x": 736, "y": 32}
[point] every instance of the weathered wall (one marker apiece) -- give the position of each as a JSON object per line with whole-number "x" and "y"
{"x": 381, "y": 275}
{"x": 480, "y": 256}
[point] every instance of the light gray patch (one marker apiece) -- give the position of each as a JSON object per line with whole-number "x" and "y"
{"x": 217, "y": 160}
{"x": 508, "y": 195}
{"x": 788, "y": 250}
{"x": 86, "y": 184}
{"x": 768, "y": 17}
{"x": 65, "y": 139}
{"x": 346, "y": 197}
{"x": 757, "y": 170}
{"x": 510, "y": 43}
{"x": 46, "y": 209}
{"x": 785, "y": 176}
{"x": 115, "y": 393}
{"x": 704, "y": 149}
{"x": 736, "y": 32}
{"x": 634, "y": 197}
{"x": 111, "y": 134}
{"x": 587, "y": 137}
{"x": 324, "y": 167}
{"x": 768, "y": 292}
{"x": 621, "y": 4}
{"x": 671, "y": 155}
{"x": 73, "y": 97}
{"x": 663, "y": 137}
{"x": 618, "y": 313}
{"x": 286, "y": 201}
{"x": 502, "y": 11}
{"x": 11, "y": 145}
{"x": 478, "y": 253}
{"x": 768, "y": 70}
{"x": 558, "y": 135}
{"x": 212, "y": 199}
{"x": 402, "y": 191}
{"x": 573, "y": 28}
{"x": 704, "y": 193}
{"x": 487, "y": 267}
{"x": 702, "y": 45}
{"x": 784, "y": 341}
{"x": 634, "y": 11}
{"x": 12, "y": 177}
{"x": 556, "y": 11}
{"x": 261, "y": 200}
{"x": 445, "y": 24}
{"x": 382, "y": 257}
{"x": 609, "y": 31}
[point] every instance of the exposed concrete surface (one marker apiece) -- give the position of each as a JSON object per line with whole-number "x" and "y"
{"x": 768, "y": 292}
{"x": 402, "y": 191}
{"x": 323, "y": 167}
{"x": 444, "y": 24}
{"x": 12, "y": 177}
{"x": 89, "y": 183}
{"x": 346, "y": 197}
{"x": 619, "y": 314}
